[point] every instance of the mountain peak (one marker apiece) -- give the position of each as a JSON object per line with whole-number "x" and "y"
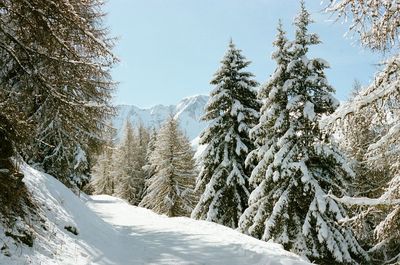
{"x": 188, "y": 112}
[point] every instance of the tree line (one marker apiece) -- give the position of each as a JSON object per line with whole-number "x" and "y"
{"x": 149, "y": 168}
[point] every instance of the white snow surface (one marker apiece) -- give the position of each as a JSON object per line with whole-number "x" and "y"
{"x": 188, "y": 112}
{"x": 112, "y": 232}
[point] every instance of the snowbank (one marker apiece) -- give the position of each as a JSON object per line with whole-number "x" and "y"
{"x": 112, "y": 232}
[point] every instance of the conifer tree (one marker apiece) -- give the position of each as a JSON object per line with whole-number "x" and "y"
{"x": 298, "y": 213}
{"x": 376, "y": 22}
{"x": 62, "y": 77}
{"x": 359, "y": 131}
{"x": 232, "y": 111}
{"x": 273, "y": 124}
{"x": 128, "y": 170}
{"x": 149, "y": 168}
{"x": 103, "y": 172}
{"x": 170, "y": 190}
{"x": 371, "y": 137}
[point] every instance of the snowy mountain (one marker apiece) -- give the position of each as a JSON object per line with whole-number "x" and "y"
{"x": 112, "y": 232}
{"x": 188, "y": 111}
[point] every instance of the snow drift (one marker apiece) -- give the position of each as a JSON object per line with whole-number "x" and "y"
{"x": 112, "y": 232}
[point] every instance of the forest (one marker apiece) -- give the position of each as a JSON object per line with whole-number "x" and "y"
{"x": 282, "y": 161}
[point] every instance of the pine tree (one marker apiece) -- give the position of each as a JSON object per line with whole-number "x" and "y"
{"x": 232, "y": 111}
{"x": 170, "y": 190}
{"x": 128, "y": 170}
{"x": 298, "y": 213}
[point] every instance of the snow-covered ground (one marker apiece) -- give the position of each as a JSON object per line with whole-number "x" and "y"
{"x": 112, "y": 232}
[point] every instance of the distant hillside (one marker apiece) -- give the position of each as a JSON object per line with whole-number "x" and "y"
{"x": 188, "y": 111}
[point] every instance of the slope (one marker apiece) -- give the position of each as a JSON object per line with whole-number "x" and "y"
{"x": 111, "y": 232}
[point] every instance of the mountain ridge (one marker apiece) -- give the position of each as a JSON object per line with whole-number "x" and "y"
{"x": 187, "y": 111}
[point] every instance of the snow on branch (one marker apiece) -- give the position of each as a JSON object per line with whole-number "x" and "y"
{"x": 363, "y": 201}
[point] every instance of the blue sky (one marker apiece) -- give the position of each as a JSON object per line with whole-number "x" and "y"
{"x": 169, "y": 49}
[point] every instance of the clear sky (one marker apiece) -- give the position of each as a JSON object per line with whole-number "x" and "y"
{"x": 169, "y": 49}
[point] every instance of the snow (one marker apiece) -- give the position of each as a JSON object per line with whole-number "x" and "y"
{"x": 112, "y": 232}
{"x": 188, "y": 111}
{"x": 364, "y": 201}
{"x": 309, "y": 111}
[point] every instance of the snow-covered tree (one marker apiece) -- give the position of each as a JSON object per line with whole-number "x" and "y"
{"x": 128, "y": 171}
{"x": 232, "y": 111}
{"x": 170, "y": 190}
{"x": 376, "y": 21}
{"x": 103, "y": 171}
{"x": 149, "y": 169}
{"x": 355, "y": 134}
{"x": 59, "y": 79}
{"x": 307, "y": 166}
{"x": 273, "y": 124}
{"x": 379, "y": 179}
{"x": 377, "y": 24}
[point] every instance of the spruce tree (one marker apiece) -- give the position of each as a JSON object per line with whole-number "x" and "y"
{"x": 273, "y": 124}
{"x": 170, "y": 190}
{"x": 231, "y": 111}
{"x": 298, "y": 213}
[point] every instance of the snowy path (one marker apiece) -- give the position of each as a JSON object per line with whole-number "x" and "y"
{"x": 142, "y": 237}
{"x": 112, "y": 232}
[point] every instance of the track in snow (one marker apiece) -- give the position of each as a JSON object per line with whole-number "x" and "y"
{"x": 143, "y": 237}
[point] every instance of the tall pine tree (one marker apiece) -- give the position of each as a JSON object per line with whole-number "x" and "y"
{"x": 232, "y": 111}
{"x": 297, "y": 212}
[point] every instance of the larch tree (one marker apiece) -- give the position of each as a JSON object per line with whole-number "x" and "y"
{"x": 149, "y": 168}
{"x": 61, "y": 60}
{"x": 170, "y": 190}
{"x": 357, "y": 133}
{"x": 232, "y": 111}
{"x": 103, "y": 172}
{"x": 306, "y": 168}
{"x": 129, "y": 176}
{"x": 55, "y": 92}
{"x": 380, "y": 160}
{"x": 377, "y": 23}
